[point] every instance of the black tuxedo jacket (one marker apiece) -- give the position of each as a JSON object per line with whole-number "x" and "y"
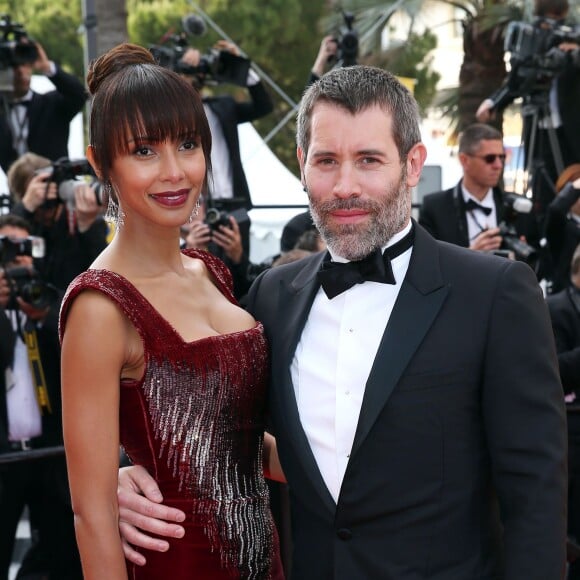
{"x": 461, "y": 431}
{"x": 443, "y": 215}
{"x": 49, "y": 117}
{"x": 565, "y": 315}
{"x": 231, "y": 113}
{"x": 49, "y": 349}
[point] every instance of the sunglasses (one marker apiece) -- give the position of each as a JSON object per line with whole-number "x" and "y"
{"x": 491, "y": 157}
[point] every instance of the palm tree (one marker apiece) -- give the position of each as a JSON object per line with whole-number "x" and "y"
{"x": 483, "y": 21}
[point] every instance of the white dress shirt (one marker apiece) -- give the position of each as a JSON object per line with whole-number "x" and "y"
{"x": 24, "y": 418}
{"x": 333, "y": 361}
{"x": 221, "y": 184}
{"x": 477, "y": 221}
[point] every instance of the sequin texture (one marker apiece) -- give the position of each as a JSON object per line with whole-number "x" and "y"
{"x": 196, "y": 422}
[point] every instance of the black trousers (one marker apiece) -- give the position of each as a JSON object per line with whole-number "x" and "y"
{"x": 42, "y": 485}
{"x": 574, "y": 486}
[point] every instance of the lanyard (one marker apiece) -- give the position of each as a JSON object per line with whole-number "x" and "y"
{"x": 30, "y": 339}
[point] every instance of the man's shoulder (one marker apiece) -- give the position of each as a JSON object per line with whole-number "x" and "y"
{"x": 439, "y": 197}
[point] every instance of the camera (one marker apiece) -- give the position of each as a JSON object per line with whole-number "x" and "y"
{"x": 65, "y": 173}
{"x": 215, "y": 218}
{"x": 513, "y": 206}
{"x": 217, "y": 66}
{"x": 15, "y": 46}
{"x": 26, "y": 283}
{"x": 10, "y": 248}
{"x": 347, "y": 42}
{"x": 534, "y": 52}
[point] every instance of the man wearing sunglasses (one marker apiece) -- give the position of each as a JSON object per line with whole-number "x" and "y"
{"x": 468, "y": 214}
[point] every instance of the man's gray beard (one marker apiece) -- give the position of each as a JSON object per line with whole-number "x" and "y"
{"x": 355, "y": 241}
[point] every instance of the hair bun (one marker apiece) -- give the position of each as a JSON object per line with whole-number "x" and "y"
{"x": 115, "y": 60}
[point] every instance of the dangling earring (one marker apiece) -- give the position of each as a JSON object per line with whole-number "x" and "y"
{"x": 114, "y": 213}
{"x": 195, "y": 211}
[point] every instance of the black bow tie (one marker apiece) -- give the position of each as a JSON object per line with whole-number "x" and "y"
{"x": 336, "y": 277}
{"x": 471, "y": 205}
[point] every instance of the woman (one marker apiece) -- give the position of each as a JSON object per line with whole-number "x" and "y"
{"x": 155, "y": 352}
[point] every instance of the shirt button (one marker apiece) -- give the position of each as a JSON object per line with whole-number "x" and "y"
{"x": 344, "y": 534}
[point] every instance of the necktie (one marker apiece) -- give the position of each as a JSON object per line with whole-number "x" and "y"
{"x": 471, "y": 205}
{"x": 336, "y": 277}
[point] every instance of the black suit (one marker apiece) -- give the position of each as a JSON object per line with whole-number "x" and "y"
{"x": 443, "y": 215}
{"x": 49, "y": 116}
{"x": 461, "y": 430}
{"x": 565, "y": 314}
{"x": 563, "y": 235}
{"x": 230, "y": 114}
{"x": 40, "y": 484}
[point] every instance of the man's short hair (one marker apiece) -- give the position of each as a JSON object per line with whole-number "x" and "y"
{"x": 544, "y": 7}
{"x": 355, "y": 89}
{"x": 21, "y": 172}
{"x": 473, "y": 135}
{"x": 14, "y": 221}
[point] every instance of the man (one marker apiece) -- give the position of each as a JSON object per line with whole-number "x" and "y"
{"x": 469, "y": 214}
{"x": 74, "y": 234}
{"x": 39, "y": 122}
{"x": 562, "y": 230}
{"x": 224, "y": 114}
{"x": 564, "y": 307}
{"x": 552, "y": 98}
{"x": 30, "y": 417}
{"x": 416, "y": 414}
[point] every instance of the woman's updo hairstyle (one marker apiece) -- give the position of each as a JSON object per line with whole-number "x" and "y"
{"x": 133, "y": 97}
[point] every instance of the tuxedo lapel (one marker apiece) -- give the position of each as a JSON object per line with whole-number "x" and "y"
{"x": 295, "y": 300}
{"x": 421, "y": 296}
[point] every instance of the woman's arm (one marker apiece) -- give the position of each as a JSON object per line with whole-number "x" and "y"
{"x": 93, "y": 354}
{"x": 272, "y": 467}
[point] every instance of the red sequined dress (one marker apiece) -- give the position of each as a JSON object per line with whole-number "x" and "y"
{"x": 195, "y": 421}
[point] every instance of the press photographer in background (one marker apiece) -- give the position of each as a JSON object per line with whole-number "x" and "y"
{"x": 63, "y": 209}
{"x": 221, "y": 234}
{"x": 564, "y": 307}
{"x": 222, "y": 64}
{"x": 477, "y": 213}
{"x": 562, "y": 230}
{"x": 31, "y": 121}
{"x": 30, "y": 412}
{"x": 545, "y": 72}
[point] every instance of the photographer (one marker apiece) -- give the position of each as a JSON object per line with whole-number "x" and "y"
{"x": 476, "y": 213}
{"x": 564, "y": 307}
{"x": 30, "y": 414}
{"x": 562, "y": 232}
{"x": 75, "y": 233}
{"x": 224, "y": 240}
{"x": 550, "y": 79}
{"x": 224, "y": 114}
{"x": 35, "y": 122}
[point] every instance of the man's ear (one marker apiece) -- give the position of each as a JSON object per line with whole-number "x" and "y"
{"x": 301, "y": 161}
{"x": 415, "y": 161}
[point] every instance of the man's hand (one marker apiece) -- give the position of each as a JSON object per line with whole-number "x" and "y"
{"x": 86, "y": 207}
{"x": 42, "y": 63}
{"x": 4, "y": 290}
{"x": 230, "y": 239}
{"x": 199, "y": 235}
{"x": 487, "y": 240}
{"x": 140, "y": 509}
{"x": 484, "y": 112}
{"x": 38, "y": 190}
{"x": 326, "y": 52}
